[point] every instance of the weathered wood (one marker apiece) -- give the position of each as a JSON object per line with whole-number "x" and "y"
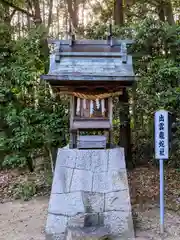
{"x": 72, "y": 113}
{"x": 84, "y": 122}
{"x": 71, "y": 143}
{"x": 73, "y": 139}
{"x": 92, "y": 119}
{"x": 123, "y": 80}
{"x": 90, "y": 54}
{"x": 90, "y": 141}
{"x": 91, "y": 42}
{"x": 108, "y": 87}
{"x": 90, "y": 67}
{"x": 91, "y": 48}
{"x": 110, "y": 105}
{"x": 110, "y": 111}
{"x": 95, "y": 89}
{"x": 88, "y": 124}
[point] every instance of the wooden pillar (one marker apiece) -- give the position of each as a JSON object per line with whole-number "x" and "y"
{"x": 110, "y": 111}
{"x": 125, "y": 128}
{"x": 73, "y": 133}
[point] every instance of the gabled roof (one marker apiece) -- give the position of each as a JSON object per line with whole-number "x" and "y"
{"x": 90, "y": 61}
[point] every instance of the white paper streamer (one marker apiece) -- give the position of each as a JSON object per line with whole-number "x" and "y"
{"x": 97, "y": 104}
{"x": 91, "y": 108}
{"x": 78, "y": 106}
{"x": 84, "y": 103}
{"x": 103, "y": 106}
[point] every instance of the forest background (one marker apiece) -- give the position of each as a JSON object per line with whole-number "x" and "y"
{"x": 34, "y": 120}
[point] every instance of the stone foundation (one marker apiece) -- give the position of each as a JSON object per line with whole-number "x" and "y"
{"x": 90, "y": 196}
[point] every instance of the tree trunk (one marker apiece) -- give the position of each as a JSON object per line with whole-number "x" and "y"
{"x": 6, "y": 18}
{"x": 50, "y": 13}
{"x": 30, "y": 163}
{"x": 43, "y": 41}
{"x": 125, "y": 129}
{"x": 73, "y": 12}
{"x": 161, "y": 13}
{"x": 169, "y": 13}
{"x": 119, "y": 12}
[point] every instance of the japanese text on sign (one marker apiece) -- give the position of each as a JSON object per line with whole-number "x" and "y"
{"x": 161, "y": 135}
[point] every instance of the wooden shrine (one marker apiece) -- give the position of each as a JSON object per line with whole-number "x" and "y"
{"x": 91, "y": 72}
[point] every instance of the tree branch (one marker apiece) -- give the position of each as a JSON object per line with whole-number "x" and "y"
{"x": 17, "y": 8}
{"x": 12, "y": 14}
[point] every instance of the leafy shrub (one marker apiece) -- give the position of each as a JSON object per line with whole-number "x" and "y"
{"x": 32, "y": 116}
{"x": 24, "y": 190}
{"x": 13, "y": 161}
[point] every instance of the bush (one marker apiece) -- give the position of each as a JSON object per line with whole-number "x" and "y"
{"x": 24, "y": 190}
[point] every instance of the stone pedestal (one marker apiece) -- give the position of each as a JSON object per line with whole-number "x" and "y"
{"x": 90, "y": 191}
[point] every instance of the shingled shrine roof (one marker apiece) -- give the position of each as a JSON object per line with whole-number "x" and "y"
{"x": 90, "y": 61}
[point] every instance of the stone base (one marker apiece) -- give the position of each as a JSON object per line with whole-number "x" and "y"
{"x": 88, "y": 233}
{"x": 90, "y": 189}
{"x": 55, "y": 237}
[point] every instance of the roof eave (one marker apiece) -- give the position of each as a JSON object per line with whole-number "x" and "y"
{"x": 86, "y": 78}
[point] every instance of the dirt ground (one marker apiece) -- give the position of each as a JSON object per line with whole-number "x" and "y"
{"x": 26, "y": 220}
{"x": 21, "y": 220}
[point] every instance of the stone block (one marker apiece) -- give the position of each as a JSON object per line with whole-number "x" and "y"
{"x": 101, "y": 219}
{"x": 110, "y": 181}
{"x": 117, "y": 201}
{"x": 81, "y": 180}
{"x": 56, "y": 225}
{"x": 68, "y": 204}
{"x": 100, "y": 183}
{"x": 84, "y": 220}
{"x": 77, "y": 221}
{"x": 90, "y": 233}
{"x": 99, "y": 160}
{"x": 62, "y": 180}
{"x": 93, "y": 202}
{"x": 118, "y": 180}
{"x": 91, "y": 219}
{"x": 116, "y": 159}
{"x": 83, "y": 159}
{"x": 55, "y": 237}
{"x": 66, "y": 158}
{"x": 119, "y": 222}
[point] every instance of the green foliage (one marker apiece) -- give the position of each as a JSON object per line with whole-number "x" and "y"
{"x": 98, "y": 30}
{"x": 158, "y": 68}
{"x": 14, "y": 160}
{"x": 25, "y": 190}
{"x": 33, "y": 117}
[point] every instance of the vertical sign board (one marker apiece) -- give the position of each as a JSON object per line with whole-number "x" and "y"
{"x": 161, "y": 135}
{"x": 161, "y": 153}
